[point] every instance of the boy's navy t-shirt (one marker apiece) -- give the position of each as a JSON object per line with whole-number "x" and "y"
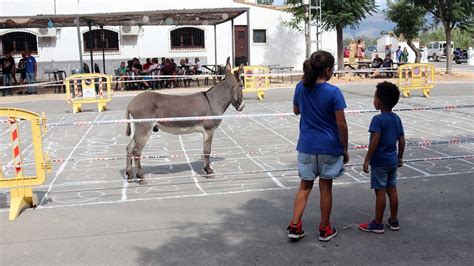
{"x": 390, "y": 127}
{"x": 319, "y": 133}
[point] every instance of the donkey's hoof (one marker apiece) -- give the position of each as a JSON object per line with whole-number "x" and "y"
{"x": 208, "y": 170}
{"x": 142, "y": 182}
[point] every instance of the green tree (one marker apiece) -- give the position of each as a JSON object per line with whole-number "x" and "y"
{"x": 336, "y": 14}
{"x": 409, "y": 21}
{"x": 451, "y": 14}
{"x": 460, "y": 38}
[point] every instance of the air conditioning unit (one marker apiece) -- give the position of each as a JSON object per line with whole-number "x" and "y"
{"x": 129, "y": 30}
{"x": 47, "y": 32}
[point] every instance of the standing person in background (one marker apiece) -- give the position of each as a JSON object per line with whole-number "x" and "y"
{"x": 352, "y": 51}
{"x": 31, "y": 72}
{"x": 8, "y": 70}
{"x": 398, "y": 54}
{"x": 322, "y": 143}
{"x": 21, "y": 69}
{"x": 404, "y": 55}
{"x": 360, "y": 49}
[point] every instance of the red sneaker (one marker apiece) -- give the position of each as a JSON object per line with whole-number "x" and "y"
{"x": 326, "y": 233}
{"x": 295, "y": 231}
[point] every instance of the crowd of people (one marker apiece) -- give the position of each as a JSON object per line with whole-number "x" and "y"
{"x": 133, "y": 69}
{"x": 26, "y": 68}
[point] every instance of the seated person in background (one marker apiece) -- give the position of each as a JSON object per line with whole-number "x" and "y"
{"x": 182, "y": 68}
{"x": 387, "y": 66}
{"x": 163, "y": 62}
{"x": 197, "y": 66}
{"x": 122, "y": 72}
{"x": 186, "y": 62}
{"x": 147, "y": 64}
{"x": 154, "y": 65}
{"x": 168, "y": 70}
{"x": 377, "y": 62}
{"x": 173, "y": 64}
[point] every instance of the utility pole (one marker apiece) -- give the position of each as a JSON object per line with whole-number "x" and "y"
{"x": 307, "y": 28}
{"x": 318, "y": 23}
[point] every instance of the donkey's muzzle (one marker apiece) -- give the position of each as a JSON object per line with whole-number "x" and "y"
{"x": 241, "y": 107}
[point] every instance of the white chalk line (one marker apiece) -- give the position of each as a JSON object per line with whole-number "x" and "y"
{"x": 215, "y": 193}
{"x": 274, "y": 179}
{"x": 61, "y": 168}
{"x": 193, "y": 173}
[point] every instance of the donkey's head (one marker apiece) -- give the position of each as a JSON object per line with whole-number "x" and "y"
{"x": 236, "y": 84}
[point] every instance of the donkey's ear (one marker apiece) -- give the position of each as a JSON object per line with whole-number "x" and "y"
{"x": 228, "y": 67}
{"x": 239, "y": 72}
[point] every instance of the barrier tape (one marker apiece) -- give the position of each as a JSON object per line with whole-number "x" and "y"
{"x": 409, "y": 143}
{"x": 219, "y": 117}
{"x": 457, "y": 157}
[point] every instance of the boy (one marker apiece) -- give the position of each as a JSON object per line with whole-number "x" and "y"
{"x": 385, "y": 131}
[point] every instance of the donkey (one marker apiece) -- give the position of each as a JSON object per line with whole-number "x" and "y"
{"x": 214, "y": 101}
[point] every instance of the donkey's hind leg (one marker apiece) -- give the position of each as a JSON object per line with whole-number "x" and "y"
{"x": 130, "y": 147}
{"x": 142, "y": 133}
{"x": 207, "y": 142}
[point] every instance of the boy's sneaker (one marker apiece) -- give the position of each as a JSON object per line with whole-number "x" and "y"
{"x": 372, "y": 227}
{"x": 326, "y": 233}
{"x": 295, "y": 231}
{"x": 393, "y": 224}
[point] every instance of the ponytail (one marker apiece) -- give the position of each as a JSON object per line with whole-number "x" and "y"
{"x": 315, "y": 66}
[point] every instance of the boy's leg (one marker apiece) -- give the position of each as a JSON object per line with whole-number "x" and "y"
{"x": 301, "y": 199}
{"x": 325, "y": 190}
{"x": 393, "y": 199}
{"x": 380, "y": 202}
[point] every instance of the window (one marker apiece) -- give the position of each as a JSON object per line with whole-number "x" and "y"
{"x": 187, "y": 38}
{"x": 260, "y": 36}
{"x": 18, "y": 41}
{"x": 96, "y": 40}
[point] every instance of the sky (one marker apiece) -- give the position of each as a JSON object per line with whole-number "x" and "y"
{"x": 370, "y": 27}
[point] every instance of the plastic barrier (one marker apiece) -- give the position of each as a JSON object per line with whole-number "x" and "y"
{"x": 259, "y": 83}
{"x": 21, "y": 191}
{"x": 416, "y": 76}
{"x": 83, "y": 90}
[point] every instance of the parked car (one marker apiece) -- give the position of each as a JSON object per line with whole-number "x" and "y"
{"x": 437, "y": 50}
{"x": 372, "y": 48}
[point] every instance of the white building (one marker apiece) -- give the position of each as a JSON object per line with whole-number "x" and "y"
{"x": 271, "y": 42}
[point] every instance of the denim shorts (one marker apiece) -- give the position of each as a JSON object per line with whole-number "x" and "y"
{"x": 324, "y": 166}
{"x": 382, "y": 177}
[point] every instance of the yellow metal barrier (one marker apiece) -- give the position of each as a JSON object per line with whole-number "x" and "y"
{"x": 84, "y": 90}
{"x": 259, "y": 83}
{"x": 21, "y": 191}
{"x": 416, "y": 76}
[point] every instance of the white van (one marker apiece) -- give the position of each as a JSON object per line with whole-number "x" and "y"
{"x": 436, "y": 50}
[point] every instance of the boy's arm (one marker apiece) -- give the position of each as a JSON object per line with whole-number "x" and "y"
{"x": 401, "y": 150}
{"x": 374, "y": 142}
{"x": 296, "y": 109}
{"x": 343, "y": 132}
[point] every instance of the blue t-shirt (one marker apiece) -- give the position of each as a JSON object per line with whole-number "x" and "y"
{"x": 390, "y": 127}
{"x": 319, "y": 133}
{"x": 30, "y": 64}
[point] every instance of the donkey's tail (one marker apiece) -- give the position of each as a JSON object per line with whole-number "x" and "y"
{"x": 129, "y": 130}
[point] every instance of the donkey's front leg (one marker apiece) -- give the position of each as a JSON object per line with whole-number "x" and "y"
{"x": 207, "y": 142}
